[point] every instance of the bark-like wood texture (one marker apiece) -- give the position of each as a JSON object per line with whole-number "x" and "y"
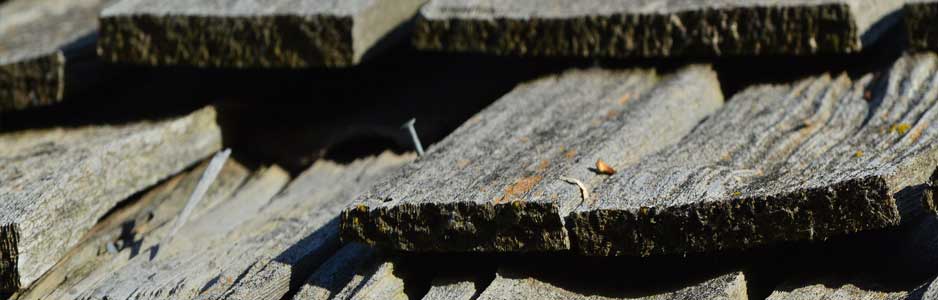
{"x": 56, "y": 183}
{"x": 250, "y": 33}
{"x": 809, "y": 160}
{"x": 653, "y": 28}
{"x": 38, "y": 40}
{"x": 510, "y": 285}
{"x": 495, "y": 184}
{"x": 920, "y": 20}
{"x": 250, "y": 247}
{"x": 138, "y": 226}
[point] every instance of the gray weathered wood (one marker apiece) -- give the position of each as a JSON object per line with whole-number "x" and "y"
{"x": 451, "y": 289}
{"x": 56, "y": 183}
{"x": 132, "y": 229}
{"x": 38, "y": 40}
{"x": 826, "y": 290}
{"x": 804, "y": 161}
{"x": 612, "y": 28}
{"x": 250, "y": 33}
{"x": 338, "y": 277}
{"x": 510, "y": 285}
{"x": 381, "y": 283}
{"x": 495, "y": 183}
{"x": 233, "y": 252}
{"x": 920, "y": 20}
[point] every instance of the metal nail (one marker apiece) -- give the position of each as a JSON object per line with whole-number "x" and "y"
{"x": 413, "y": 135}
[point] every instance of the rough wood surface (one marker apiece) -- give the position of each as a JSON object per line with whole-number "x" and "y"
{"x": 804, "y": 161}
{"x": 611, "y": 28}
{"x": 495, "y": 183}
{"x": 920, "y": 16}
{"x": 56, "y": 183}
{"x": 511, "y": 285}
{"x": 254, "y": 250}
{"x": 452, "y": 289}
{"x": 381, "y": 283}
{"x": 861, "y": 290}
{"x": 338, "y": 277}
{"x": 38, "y": 39}
{"x": 131, "y": 228}
{"x": 250, "y": 33}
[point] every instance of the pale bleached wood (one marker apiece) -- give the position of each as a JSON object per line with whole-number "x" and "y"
{"x": 510, "y": 285}
{"x": 131, "y": 228}
{"x": 452, "y": 289}
{"x": 56, "y": 183}
{"x": 232, "y": 253}
{"x": 495, "y": 184}
{"x": 337, "y": 277}
{"x": 612, "y": 28}
{"x": 250, "y": 33}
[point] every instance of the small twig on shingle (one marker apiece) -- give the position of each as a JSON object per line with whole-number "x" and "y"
{"x": 584, "y": 191}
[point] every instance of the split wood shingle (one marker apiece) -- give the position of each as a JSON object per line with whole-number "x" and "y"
{"x": 56, "y": 183}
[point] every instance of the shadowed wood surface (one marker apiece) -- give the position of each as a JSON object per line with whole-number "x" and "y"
{"x": 920, "y": 20}
{"x": 513, "y": 285}
{"x": 338, "y": 277}
{"x": 806, "y": 161}
{"x": 250, "y": 33}
{"x": 495, "y": 184}
{"x": 132, "y": 229}
{"x": 38, "y": 39}
{"x": 56, "y": 183}
{"x": 253, "y": 250}
{"x": 653, "y": 28}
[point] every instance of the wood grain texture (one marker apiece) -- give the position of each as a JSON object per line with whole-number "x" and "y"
{"x": 56, "y": 183}
{"x": 920, "y": 16}
{"x": 495, "y": 183}
{"x": 338, "y": 277}
{"x": 250, "y": 33}
{"x": 810, "y": 160}
{"x": 38, "y": 40}
{"x": 834, "y": 291}
{"x": 250, "y": 251}
{"x": 821, "y": 157}
{"x": 509, "y": 285}
{"x": 452, "y": 289}
{"x": 132, "y": 229}
{"x": 653, "y": 28}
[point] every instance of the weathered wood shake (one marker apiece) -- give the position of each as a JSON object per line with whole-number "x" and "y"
{"x": 810, "y": 160}
{"x": 56, "y": 183}
{"x": 252, "y": 246}
{"x": 511, "y": 285}
{"x": 505, "y": 179}
{"x": 38, "y": 39}
{"x": 805, "y": 161}
{"x": 132, "y": 229}
{"x": 250, "y": 33}
{"x": 653, "y": 28}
